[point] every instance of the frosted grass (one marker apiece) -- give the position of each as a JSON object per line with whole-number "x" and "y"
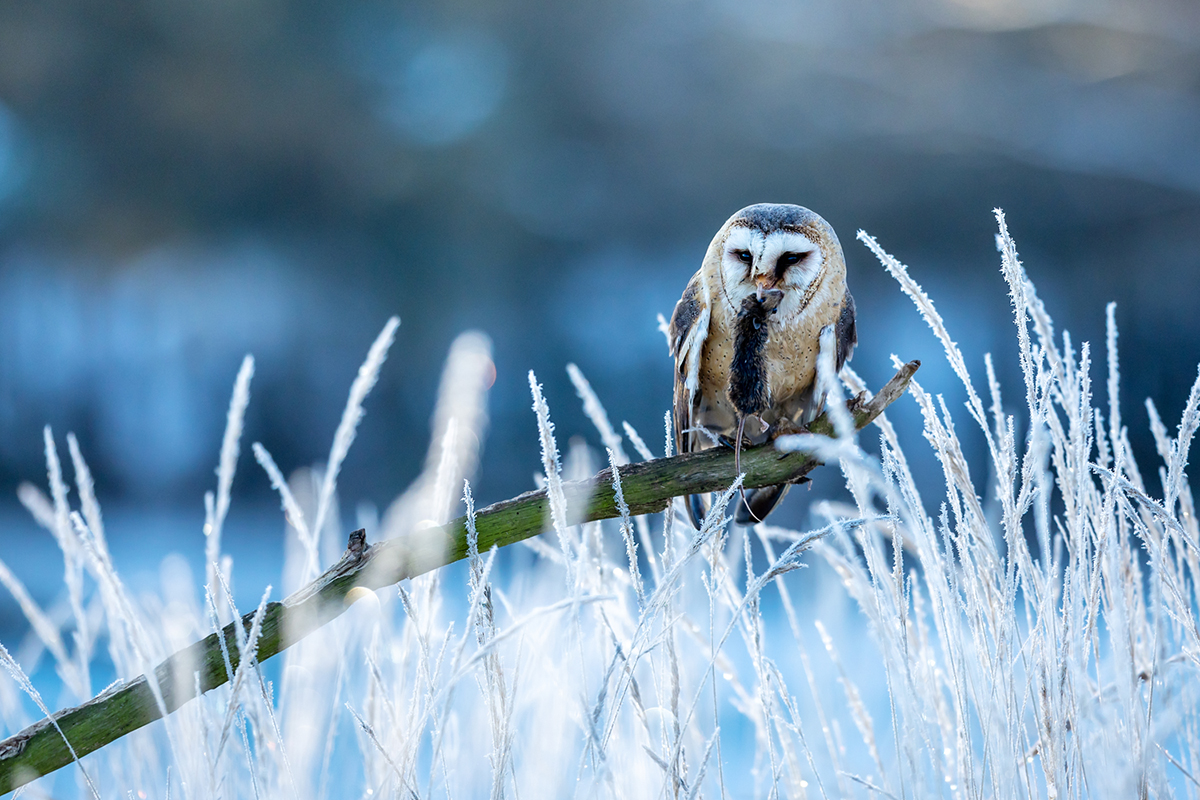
{"x": 226, "y": 469}
{"x": 1036, "y": 636}
{"x": 368, "y": 374}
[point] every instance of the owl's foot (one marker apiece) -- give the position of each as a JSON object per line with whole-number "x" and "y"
{"x": 785, "y": 427}
{"x": 727, "y": 441}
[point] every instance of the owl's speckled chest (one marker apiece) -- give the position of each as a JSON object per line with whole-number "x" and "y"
{"x": 790, "y": 359}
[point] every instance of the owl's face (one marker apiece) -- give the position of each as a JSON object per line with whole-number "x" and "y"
{"x": 779, "y": 253}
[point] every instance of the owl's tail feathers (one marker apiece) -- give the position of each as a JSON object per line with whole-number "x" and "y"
{"x": 697, "y": 509}
{"x": 756, "y": 503}
{"x": 760, "y": 503}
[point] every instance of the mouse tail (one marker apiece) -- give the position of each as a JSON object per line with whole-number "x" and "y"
{"x": 737, "y": 462}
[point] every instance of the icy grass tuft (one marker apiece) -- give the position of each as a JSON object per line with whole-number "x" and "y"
{"x": 364, "y": 382}
{"x": 226, "y": 467}
{"x": 1034, "y": 637}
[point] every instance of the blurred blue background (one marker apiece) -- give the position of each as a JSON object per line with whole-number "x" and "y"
{"x": 185, "y": 182}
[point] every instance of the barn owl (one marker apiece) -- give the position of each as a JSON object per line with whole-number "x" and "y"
{"x": 746, "y": 334}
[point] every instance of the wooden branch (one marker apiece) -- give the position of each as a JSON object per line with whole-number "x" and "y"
{"x": 647, "y": 486}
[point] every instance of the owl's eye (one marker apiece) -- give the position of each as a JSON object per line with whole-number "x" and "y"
{"x": 788, "y": 259}
{"x": 743, "y": 256}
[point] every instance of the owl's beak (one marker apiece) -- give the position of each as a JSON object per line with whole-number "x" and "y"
{"x": 767, "y": 291}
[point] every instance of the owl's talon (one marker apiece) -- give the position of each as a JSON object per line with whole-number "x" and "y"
{"x": 727, "y": 441}
{"x": 785, "y": 427}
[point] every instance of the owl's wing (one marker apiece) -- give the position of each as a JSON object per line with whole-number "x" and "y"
{"x": 686, "y": 335}
{"x": 846, "y": 332}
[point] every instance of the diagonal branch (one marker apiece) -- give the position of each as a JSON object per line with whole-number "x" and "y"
{"x": 648, "y": 487}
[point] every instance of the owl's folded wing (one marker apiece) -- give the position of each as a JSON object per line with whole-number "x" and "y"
{"x": 846, "y": 332}
{"x": 686, "y": 335}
